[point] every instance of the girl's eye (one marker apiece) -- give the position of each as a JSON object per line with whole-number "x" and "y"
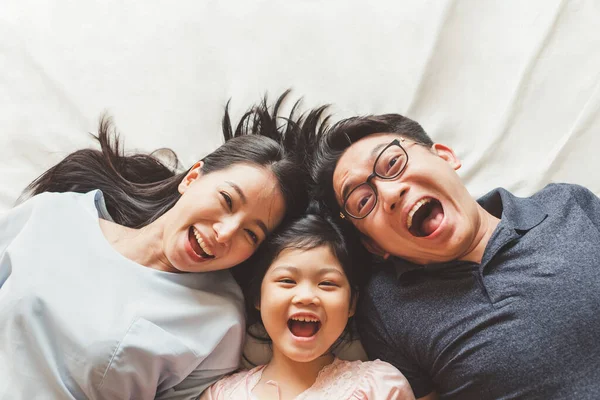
{"x": 328, "y": 283}
{"x": 228, "y": 200}
{"x": 287, "y": 281}
{"x": 253, "y": 236}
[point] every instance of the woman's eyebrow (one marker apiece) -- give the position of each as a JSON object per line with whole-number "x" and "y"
{"x": 238, "y": 190}
{"x": 262, "y": 226}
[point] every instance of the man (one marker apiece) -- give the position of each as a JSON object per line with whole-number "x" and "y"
{"x": 487, "y": 299}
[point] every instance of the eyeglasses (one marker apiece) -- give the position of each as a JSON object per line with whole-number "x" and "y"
{"x": 389, "y": 164}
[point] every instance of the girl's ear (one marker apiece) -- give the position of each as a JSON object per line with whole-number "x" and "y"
{"x": 353, "y": 306}
{"x": 194, "y": 173}
{"x": 447, "y": 154}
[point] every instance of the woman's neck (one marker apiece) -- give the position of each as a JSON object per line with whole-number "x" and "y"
{"x": 142, "y": 246}
{"x": 292, "y": 377}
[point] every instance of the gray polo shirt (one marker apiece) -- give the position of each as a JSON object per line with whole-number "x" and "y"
{"x": 525, "y": 323}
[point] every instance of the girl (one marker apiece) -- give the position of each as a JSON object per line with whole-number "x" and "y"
{"x": 304, "y": 292}
{"x": 115, "y": 289}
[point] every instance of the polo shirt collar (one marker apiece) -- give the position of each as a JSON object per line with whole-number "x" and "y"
{"x": 516, "y": 214}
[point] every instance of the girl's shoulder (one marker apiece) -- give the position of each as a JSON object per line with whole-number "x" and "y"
{"x": 343, "y": 379}
{"x": 233, "y": 385}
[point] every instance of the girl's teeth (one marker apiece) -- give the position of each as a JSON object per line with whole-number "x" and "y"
{"x": 305, "y": 319}
{"x": 201, "y": 242}
{"x": 414, "y": 210}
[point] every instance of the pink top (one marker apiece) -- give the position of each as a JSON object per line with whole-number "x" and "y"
{"x": 340, "y": 380}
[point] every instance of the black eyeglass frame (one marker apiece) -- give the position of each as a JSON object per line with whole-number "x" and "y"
{"x": 395, "y": 142}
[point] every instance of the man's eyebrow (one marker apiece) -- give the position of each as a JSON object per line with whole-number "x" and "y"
{"x": 349, "y": 184}
{"x": 377, "y": 149}
{"x": 238, "y": 190}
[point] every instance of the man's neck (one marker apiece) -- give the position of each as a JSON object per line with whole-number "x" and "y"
{"x": 487, "y": 225}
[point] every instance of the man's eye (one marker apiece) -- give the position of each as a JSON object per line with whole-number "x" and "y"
{"x": 253, "y": 236}
{"x": 363, "y": 201}
{"x": 228, "y": 200}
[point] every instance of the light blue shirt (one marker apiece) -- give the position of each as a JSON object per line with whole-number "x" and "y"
{"x": 78, "y": 320}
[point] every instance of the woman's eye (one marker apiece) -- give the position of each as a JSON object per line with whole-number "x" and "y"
{"x": 253, "y": 236}
{"x": 228, "y": 200}
{"x": 287, "y": 281}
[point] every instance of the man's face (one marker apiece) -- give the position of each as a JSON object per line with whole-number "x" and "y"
{"x": 425, "y": 214}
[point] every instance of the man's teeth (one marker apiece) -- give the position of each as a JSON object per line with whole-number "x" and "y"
{"x": 305, "y": 319}
{"x": 414, "y": 210}
{"x": 201, "y": 242}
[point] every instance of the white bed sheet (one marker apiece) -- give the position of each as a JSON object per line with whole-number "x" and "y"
{"x": 513, "y": 86}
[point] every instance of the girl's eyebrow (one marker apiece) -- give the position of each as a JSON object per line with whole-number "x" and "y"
{"x": 296, "y": 270}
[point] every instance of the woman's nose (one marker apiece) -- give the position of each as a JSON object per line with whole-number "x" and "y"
{"x": 224, "y": 230}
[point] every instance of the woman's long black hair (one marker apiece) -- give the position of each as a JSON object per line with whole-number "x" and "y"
{"x": 139, "y": 188}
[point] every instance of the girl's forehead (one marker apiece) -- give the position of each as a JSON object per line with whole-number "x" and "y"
{"x": 317, "y": 259}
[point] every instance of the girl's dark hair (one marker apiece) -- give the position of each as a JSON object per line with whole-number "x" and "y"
{"x": 316, "y": 228}
{"x": 139, "y": 188}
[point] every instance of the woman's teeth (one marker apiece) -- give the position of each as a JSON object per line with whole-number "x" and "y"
{"x": 413, "y": 210}
{"x": 201, "y": 243}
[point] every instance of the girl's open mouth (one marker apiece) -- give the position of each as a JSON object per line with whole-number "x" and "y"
{"x": 302, "y": 326}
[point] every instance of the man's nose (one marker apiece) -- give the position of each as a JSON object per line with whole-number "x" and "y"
{"x": 389, "y": 193}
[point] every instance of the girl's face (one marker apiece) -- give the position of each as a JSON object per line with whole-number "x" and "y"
{"x": 221, "y": 217}
{"x": 305, "y": 302}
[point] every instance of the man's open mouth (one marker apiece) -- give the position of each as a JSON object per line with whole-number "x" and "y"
{"x": 198, "y": 244}
{"x": 425, "y": 217}
{"x": 302, "y": 326}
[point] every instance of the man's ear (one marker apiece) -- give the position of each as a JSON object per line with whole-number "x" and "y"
{"x": 447, "y": 154}
{"x": 374, "y": 248}
{"x": 194, "y": 173}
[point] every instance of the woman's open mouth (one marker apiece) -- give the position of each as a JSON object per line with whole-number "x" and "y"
{"x": 425, "y": 217}
{"x": 198, "y": 245}
{"x": 304, "y": 326}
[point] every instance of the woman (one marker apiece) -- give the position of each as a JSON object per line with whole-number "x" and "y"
{"x": 96, "y": 295}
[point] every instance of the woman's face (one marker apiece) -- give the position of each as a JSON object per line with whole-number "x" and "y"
{"x": 305, "y": 302}
{"x": 221, "y": 217}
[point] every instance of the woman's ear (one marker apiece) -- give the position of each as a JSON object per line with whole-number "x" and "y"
{"x": 194, "y": 173}
{"x": 447, "y": 154}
